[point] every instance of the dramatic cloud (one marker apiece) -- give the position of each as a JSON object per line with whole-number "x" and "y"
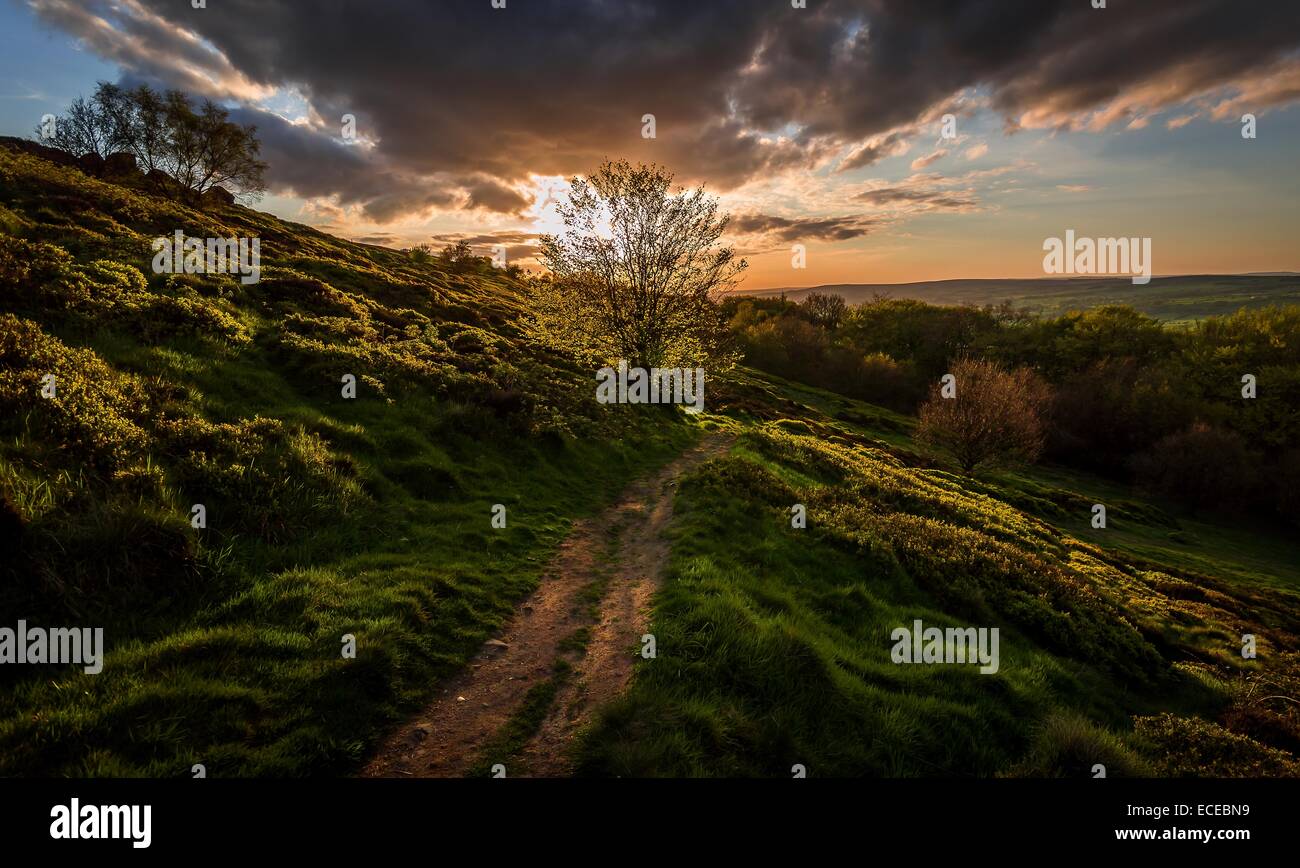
{"x": 802, "y": 229}
{"x": 460, "y": 103}
{"x": 382, "y": 239}
{"x": 310, "y": 164}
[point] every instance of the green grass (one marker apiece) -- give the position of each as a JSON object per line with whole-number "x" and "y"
{"x": 773, "y": 642}
{"x": 522, "y": 725}
{"x": 371, "y": 518}
{"x": 1236, "y": 549}
{"x": 326, "y": 516}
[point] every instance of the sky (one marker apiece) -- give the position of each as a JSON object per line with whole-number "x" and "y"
{"x": 821, "y": 128}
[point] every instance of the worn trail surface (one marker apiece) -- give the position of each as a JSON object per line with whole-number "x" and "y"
{"x": 598, "y": 586}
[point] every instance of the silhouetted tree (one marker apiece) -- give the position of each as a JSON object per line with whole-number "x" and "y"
{"x": 198, "y": 149}
{"x": 83, "y": 129}
{"x": 205, "y": 149}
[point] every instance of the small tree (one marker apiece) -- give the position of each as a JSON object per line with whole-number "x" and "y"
{"x": 136, "y": 121}
{"x": 824, "y": 310}
{"x": 205, "y": 149}
{"x": 996, "y": 415}
{"x": 637, "y": 272}
{"x": 459, "y": 252}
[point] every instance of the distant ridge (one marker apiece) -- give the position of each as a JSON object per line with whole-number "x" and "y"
{"x": 1175, "y": 298}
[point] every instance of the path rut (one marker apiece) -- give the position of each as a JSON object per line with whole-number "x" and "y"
{"x": 449, "y": 737}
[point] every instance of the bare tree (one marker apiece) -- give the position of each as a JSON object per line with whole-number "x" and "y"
{"x": 996, "y": 415}
{"x": 84, "y": 129}
{"x": 637, "y": 271}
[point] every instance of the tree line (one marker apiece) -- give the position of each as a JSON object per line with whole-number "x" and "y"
{"x": 1109, "y": 390}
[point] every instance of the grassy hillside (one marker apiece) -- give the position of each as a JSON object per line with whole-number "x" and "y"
{"x": 1172, "y": 299}
{"x": 325, "y": 516}
{"x": 1120, "y": 646}
{"x": 371, "y": 517}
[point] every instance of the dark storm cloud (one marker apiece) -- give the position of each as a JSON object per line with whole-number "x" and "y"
{"x": 463, "y": 100}
{"x": 488, "y": 193}
{"x": 309, "y": 163}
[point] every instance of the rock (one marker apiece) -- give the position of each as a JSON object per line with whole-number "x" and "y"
{"x": 162, "y": 182}
{"x": 120, "y": 163}
{"x": 218, "y": 196}
{"x": 91, "y": 164}
{"x": 496, "y": 646}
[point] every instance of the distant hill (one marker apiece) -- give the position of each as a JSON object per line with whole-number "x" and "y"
{"x": 1187, "y": 297}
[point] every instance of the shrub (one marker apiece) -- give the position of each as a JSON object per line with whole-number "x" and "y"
{"x": 270, "y": 480}
{"x": 1191, "y": 747}
{"x": 996, "y": 415}
{"x": 94, "y": 414}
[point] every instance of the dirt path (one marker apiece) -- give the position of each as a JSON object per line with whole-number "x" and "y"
{"x": 449, "y": 737}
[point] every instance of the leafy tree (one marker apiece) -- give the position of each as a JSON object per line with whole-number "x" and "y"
{"x": 997, "y": 415}
{"x": 928, "y": 335}
{"x": 637, "y": 271}
{"x": 459, "y": 252}
{"x": 1203, "y": 466}
{"x": 824, "y": 310}
{"x": 460, "y": 258}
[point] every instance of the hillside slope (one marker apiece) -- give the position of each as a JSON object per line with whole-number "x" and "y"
{"x": 325, "y": 516}
{"x": 329, "y": 517}
{"x": 774, "y": 641}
